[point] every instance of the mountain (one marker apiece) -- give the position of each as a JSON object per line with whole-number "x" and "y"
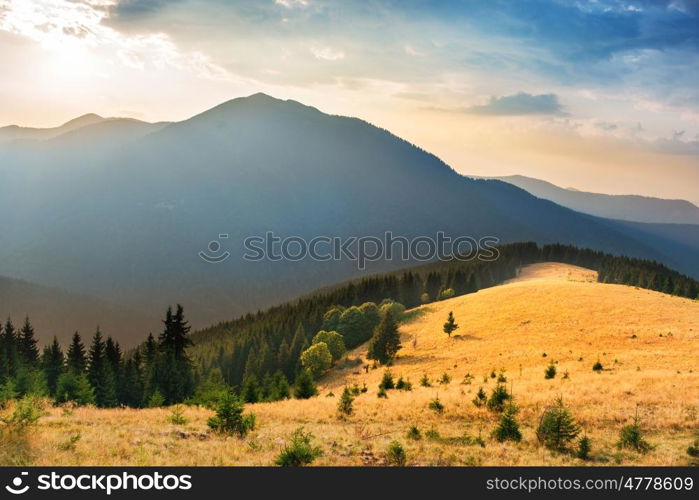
{"x": 56, "y": 312}
{"x": 127, "y": 223}
{"x": 623, "y": 207}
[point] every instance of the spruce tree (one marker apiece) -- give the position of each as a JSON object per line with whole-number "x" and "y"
{"x": 28, "y": 351}
{"x": 557, "y": 427}
{"x": 344, "y": 406}
{"x": 52, "y": 365}
{"x": 386, "y": 340}
{"x": 76, "y": 358}
{"x": 99, "y": 373}
{"x": 450, "y": 325}
{"x": 304, "y": 387}
{"x": 508, "y": 428}
{"x": 10, "y": 354}
{"x": 174, "y": 377}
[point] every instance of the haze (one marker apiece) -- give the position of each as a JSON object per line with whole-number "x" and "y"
{"x": 598, "y": 95}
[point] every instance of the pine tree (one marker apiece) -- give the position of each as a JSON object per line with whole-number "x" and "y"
{"x": 28, "y": 351}
{"x": 173, "y": 373}
{"x": 52, "y": 365}
{"x": 251, "y": 390}
{"x": 450, "y": 325}
{"x": 76, "y": 358}
{"x": 508, "y": 428}
{"x": 344, "y": 406}
{"x": 304, "y": 387}
{"x": 386, "y": 340}
{"x": 10, "y": 354}
{"x": 557, "y": 427}
{"x": 99, "y": 373}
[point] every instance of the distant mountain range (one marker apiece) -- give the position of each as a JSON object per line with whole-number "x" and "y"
{"x": 121, "y": 209}
{"x": 623, "y": 207}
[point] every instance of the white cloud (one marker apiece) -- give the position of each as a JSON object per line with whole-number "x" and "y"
{"x": 327, "y": 53}
{"x": 74, "y": 28}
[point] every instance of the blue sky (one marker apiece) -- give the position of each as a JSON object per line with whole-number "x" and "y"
{"x": 565, "y": 90}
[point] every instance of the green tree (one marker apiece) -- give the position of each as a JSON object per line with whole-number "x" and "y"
{"x": 52, "y": 365}
{"x": 385, "y": 343}
{"x": 74, "y": 386}
{"x": 173, "y": 368}
{"x": 251, "y": 392}
{"x": 304, "y": 388}
{"x": 450, "y": 325}
{"x": 331, "y": 319}
{"x": 99, "y": 373}
{"x": 28, "y": 351}
{"x": 9, "y": 351}
{"x": 300, "y": 451}
{"x": 354, "y": 327}
{"x": 230, "y": 419}
{"x": 317, "y": 358}
{"x": 76, "y": 358}
{"x": 557, "y": 427}
{"x": 344, "y": 406}
{"x": 333, "y": 340}
{"x": 508, "y": 428}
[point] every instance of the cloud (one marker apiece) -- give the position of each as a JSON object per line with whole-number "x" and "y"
{"x": 520, "y": 104}
{"x": 75, "y": 28}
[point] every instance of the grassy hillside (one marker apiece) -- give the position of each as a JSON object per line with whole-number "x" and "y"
{"x": 646, "y": 341}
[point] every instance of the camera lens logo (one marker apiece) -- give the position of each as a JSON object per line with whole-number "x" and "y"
{"x": 213, "y": 253}
{"x": 16, "y": 487}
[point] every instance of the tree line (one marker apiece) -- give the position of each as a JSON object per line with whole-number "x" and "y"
{"x": 272, "y": 354}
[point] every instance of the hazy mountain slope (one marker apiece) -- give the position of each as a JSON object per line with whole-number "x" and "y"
{"x": 624, "y": 207}
{"x": 57, "y": 312}
{"x": 127, "y": 223}
{"x": 14, "y": 132}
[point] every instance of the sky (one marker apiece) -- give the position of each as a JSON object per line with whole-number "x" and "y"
{"x": 599, "y": 95}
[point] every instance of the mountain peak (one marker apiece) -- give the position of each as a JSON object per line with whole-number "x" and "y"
{"x": 83, "y": 120}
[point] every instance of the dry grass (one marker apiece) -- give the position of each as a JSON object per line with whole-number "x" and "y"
{"x": 647, "y": 341}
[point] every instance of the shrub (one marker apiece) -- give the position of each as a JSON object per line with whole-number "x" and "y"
{"x": 395, "y": 454}
{"x": 229, "y": 418}
{"x": 304, "y": 388}
{"x": 501, "y": 377}
{"x": 508, "y": 428}
{"x": 584, "y": 447}
{"x": 387, "y": 381}
{"x": 693, "y": 449}
{"x": 70, "y": 443}
{"x": 436, "y": 405}
{"x": 481, "y": 398}
{"x": 334, "y": 341}
{"x": 425, "y": 381}
{"x": 317, "y": 358}
{"x": 344, "y": 406}
{"x": 404, "y": 385}
{"x": 299, "y": 451}
{"x": 156, "y": 400}
{"x": 177, "y": 415}
{"x": 498, "y": 398}
{"x": 445, "y": 379}
{"x": 414, "y": 433}
{"x": 557, "y": 427}
{"x": 631, "y": 436}
{"x": 15, "y": 421}
{"x": 597, "y": 367}
{"x": 550, "y": 371}
{"x": 433, "y": 434}
{"x": 382, "y": 393}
